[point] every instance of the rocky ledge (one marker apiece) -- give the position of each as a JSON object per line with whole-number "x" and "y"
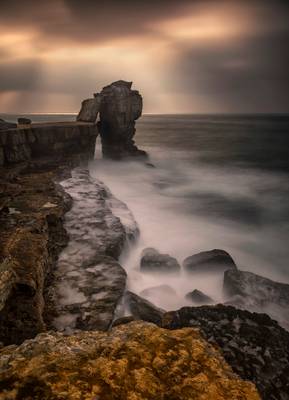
{"x": 132, "y": 362}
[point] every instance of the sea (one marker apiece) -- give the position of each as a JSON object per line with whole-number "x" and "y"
{"x": 214, "y": 182}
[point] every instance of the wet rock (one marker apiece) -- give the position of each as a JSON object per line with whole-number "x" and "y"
{"x": 143, "y": 309}
{"x": 132, "y": 362}
{"x": 160, "y": 290}
{"x": 198, "y": 297}
{"x": 254, "y": 345}
{"x": 213, "y": 261}
{"x": 256, "y": 293}
{"x": 120, "y": 107}
{"x": 6, "y": 125}
{"x": 89, "y": 280}
{"x": 123, "y": 320}
{"x": 24, "y": 121}
{"x": 154, "y": 262}
{"x": 89, "y": 109}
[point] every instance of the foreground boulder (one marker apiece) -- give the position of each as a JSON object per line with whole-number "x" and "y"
{"x": 254, "y": 345}
{"x": 153, "y": 261}
{"x": 132, "y": 362}
{"x": 143, "y": 309}
{"x": 120, "y": 108}
{"x": 256, "y": 293}
{"x": 198, "y": 297}
{"x": 213, "y": 261}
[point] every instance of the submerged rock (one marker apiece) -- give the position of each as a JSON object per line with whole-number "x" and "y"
{"x": 159, "y": 290}
{"x": 199, "y": 297}
{"x": 213, "y": 261}
{"x": 143, "y": 309}
{"x": 254, "y": 345}
{"x": 120, "y": 107}
{"x": 89, "y": 110}
{"x": 132, "y": 362}
{"x": 153, "y": 261}
{"x": 254, "y": 292}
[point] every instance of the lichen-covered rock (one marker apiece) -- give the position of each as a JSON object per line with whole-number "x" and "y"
{"x": 154, "y": 262}
{"x": 143, "y": 309}
{"x": 136, "y": 361}
{"x": 213, "y": 261}
{"x": 256, "y": 293}
{"x": 89, "y": 109}
{"x": 120, "y": 107}
{"x": 254, "y": 345}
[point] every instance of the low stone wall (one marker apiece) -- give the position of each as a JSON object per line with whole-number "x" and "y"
{"x": 33, "y": 141}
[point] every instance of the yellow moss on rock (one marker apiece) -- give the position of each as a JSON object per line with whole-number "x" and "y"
{"x": 137, "y": 361}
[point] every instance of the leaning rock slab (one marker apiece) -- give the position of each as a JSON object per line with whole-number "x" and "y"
{"x": 256, "y": 293}
{"x": 143, "y": 309}
{"x": 254, "y": 345}
{"x": 136, "y": 361}
{"x": 213, "y": 261}
{"x": 89, "y": 110}
{"x": 155, "y": 262}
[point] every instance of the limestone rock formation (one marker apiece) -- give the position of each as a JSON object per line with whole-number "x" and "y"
{"x": 198, "y": 297}
{"x": 136, "y": 361}
{"x": 120, "y": 108}
{"x": 154, "y": 262}
{"x": 254, "y": 345}
{"x": 256, "y": 293}
{"x": 89, "y": 109}
{"x": 213, "y": 261}
{"x": 143, "y": 309}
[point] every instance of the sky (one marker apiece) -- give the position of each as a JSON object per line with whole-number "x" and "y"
{"x": 184, "y": 56}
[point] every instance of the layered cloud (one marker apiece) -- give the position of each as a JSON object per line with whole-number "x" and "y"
{"x": 184, "y": 56}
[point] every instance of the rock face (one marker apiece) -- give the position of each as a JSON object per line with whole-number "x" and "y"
{"x": 90, "y": 281}
{"x": 198, "y": 297}
{"x": 53, "y": 141}
{"x": 154, "y": 262}
{"x": 6, "y": 125}
{"x": 32, "y": 207}
{"x": 255, "y": 346}
{"x": 120, "y": 108}
{"x": 143, "y": 309}
{"x": 213, "y": 261}
{"x": 89, "y": 109}
{"x": 132, "y": 362}
{"x": 256, "y": 293}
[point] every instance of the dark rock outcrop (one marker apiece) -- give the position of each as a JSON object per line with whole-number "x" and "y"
{"x": 24, "y": 121}
{"x": 213, "y": 261}
{"x": 89, "y": 109}
{"x": 143, "y": 309}
{"x": 256, "y": 293}
{"x": 120, "y": 108}
{"x": 198, "y": 297}
{"x": 154, "y": 262}
{"x": 132, "y": 362}
{"x": 254, "y": 345}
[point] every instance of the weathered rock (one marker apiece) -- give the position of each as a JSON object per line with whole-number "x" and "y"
{"x": 132, "y": 362}
{"x": 153, "y": 261}
{"x": 213, "y": 261}
{"x": 120, "y": 107}
{"x": 143, "y": 309}
{"x": 90, "y": 281}
{"x": 123, "y": 320}
{"x": 54, "y": 141}
{"x": 6, "y": 125}
{"x": 256, "y": 293}
{"x": 31, "y": 237}
{"x": 198, "y": 297}
{"x": 254, "y": 345}
{"x": 89, "y": 109}
{"x": 24, "y": 121}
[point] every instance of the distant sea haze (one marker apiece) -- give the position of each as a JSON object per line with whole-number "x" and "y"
{"x": 221, "y": 181}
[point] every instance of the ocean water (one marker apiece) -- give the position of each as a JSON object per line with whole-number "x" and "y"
{"x": 220, "y": 181}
